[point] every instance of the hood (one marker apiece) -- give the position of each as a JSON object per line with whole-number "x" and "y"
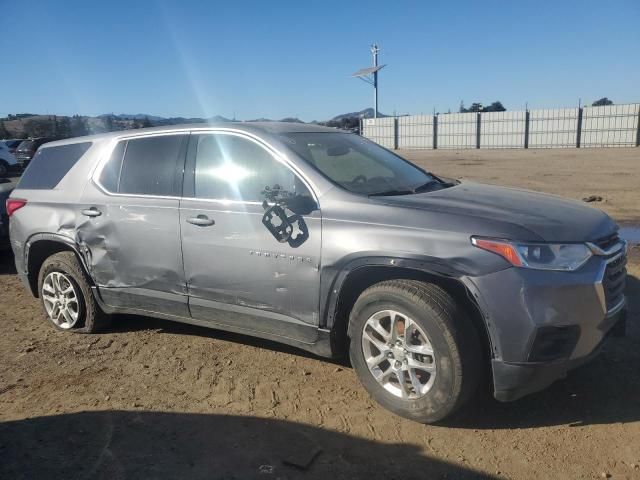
{"x": 549, "y": 217}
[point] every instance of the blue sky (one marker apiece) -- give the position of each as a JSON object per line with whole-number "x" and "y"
{"x": 294, "y": 58}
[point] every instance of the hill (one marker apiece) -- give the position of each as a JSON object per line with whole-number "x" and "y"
{"x": 34, "y": 125}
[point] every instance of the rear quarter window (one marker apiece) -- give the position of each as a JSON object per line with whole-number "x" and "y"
{"x": 49, "y": 165}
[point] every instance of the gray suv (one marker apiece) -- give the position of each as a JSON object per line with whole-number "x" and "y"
{"x": 323, "y": 240}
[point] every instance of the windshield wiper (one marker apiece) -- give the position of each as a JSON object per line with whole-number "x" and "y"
{"x": 389, "y": 193}
{"x": 427, "y": 186}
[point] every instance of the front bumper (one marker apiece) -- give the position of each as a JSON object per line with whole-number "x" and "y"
{"x": 512, "y": 381}
{"x": 544, "y": 323}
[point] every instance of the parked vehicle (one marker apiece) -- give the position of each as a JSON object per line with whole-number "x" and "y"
{"x": 7, "y": 160}
{"x": 326, "y": 241}
{"x": 6, "y": 187}
{"x": 12, "y": 144}
{"x": 27, "y": 149}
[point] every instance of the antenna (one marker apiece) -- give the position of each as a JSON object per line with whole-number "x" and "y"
{"x": 370, "y": 76}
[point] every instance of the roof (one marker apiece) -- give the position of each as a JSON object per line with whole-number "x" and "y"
{"x": 250, "y": 127}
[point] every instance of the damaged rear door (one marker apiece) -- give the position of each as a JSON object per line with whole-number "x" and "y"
{"x": 251, "y": 235}
{"x": 129, "y": 225}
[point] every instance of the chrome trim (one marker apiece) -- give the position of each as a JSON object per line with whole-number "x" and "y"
{"x": 619, "y": 306}
{"x": 276, "y": 154}
{"x": 600, "y": 287}
{"x": 219, "y": 200}
{"x": 97, "y": 170}
{"x": 620, "y": 245}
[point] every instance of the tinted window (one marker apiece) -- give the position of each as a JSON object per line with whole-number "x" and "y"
{"x": 110, "y": 176}
{"x": 50, "y": 164}
{"x": 149, "y": 165}
{"x": 356, "y": 163}
{"x": 234, "y": 168}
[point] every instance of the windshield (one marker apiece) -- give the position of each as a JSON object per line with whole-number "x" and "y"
{"x": 358, "y": 164}
{"x": 27, "y": 145}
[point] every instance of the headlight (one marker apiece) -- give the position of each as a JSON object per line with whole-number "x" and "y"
{"x": 540, "y": 256}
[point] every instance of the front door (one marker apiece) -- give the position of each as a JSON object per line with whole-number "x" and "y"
{"x": 249, "y": 260}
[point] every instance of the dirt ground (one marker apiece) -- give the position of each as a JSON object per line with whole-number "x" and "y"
{"x": 610, "y": 173}
{"x": 154, "y": 399}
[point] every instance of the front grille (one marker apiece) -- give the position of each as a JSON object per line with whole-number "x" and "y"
{"x": 23, "y": 159}
{"x": 614, "y": 281}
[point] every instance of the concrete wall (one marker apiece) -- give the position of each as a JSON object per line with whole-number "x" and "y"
{"x": 415, "y": 131}
{"x": 502, "y": 129}
{"x": 608, "y": 126}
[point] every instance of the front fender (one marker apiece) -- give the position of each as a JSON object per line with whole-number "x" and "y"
{"x": 334, "y": 279}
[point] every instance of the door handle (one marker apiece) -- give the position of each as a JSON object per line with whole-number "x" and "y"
{"x": 91, "y": 212}
{"x": 201, "y": 221}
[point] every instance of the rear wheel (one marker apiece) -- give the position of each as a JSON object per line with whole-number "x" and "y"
{"x": 414, "y": 349}
{"x": 66, "y": 295}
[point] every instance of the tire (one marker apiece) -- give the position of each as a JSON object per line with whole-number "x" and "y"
{"x": 456, "y": 364}
{"x": 67, "y": 269}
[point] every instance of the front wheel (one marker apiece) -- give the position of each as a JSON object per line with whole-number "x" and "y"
{"x": 414, "y": 349}
{"x": 66, "y": 295}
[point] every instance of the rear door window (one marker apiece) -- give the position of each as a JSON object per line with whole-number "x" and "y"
{"x": 50, "y": 164}
{"x": 145, "y": 166}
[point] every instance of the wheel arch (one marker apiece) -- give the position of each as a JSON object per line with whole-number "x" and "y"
{"x": 40, "y": 247}
{"x": 353, "y": 279}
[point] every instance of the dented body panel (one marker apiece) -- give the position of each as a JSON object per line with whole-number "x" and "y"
{"x": 133, "y": 249}
{"x": 236, "y": 261}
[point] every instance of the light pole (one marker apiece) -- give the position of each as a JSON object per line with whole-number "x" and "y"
{"x": 370, "y": 76}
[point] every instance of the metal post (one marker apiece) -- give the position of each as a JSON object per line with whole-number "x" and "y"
{"x": 374, "y": 52}
{"x": 435, "y": 132}
{"x": 395, "y": 133}
{"x": 579, "y": 132}
{"x": 527, "y": 116}
{"x": 478, "y": 131}
{"x": 638, "y": 132}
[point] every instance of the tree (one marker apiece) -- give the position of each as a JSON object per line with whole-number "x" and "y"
{"x": 38, "y": 127}
{"x": 495, "y": 107}
{"x": 108, "y": 123}
{"x": 79, "y": 126}
{"x": 64, "y": 127}
{"x": 603, "y": 101}
{"x": 4, "y": 133}
{"x": 477, "y": 107}
{"x": 146, "y": 123}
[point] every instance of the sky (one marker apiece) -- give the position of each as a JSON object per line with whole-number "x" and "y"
{"x": 278, "y": 59}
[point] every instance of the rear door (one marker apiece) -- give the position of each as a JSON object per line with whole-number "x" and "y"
{"x": 129, "y": 224}
{"x": 238, "y": 273}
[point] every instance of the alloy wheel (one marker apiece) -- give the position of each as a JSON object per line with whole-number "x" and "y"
{"x": 399, "y": 354}
{"x": 61, "y": 300}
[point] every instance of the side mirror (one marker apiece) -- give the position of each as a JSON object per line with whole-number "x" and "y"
{"x": 338, "y": 151}
{"x": 301, "y": 204}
